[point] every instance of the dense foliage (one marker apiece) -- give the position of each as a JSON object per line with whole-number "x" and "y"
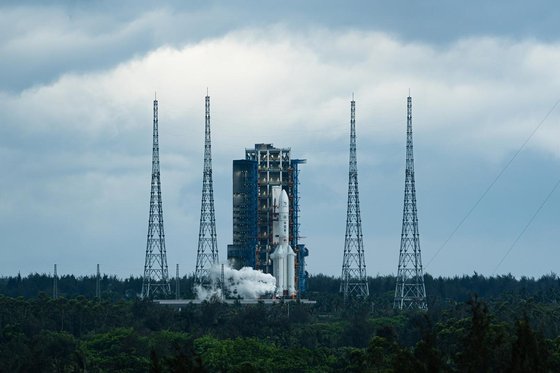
{"x": 512, "y": 325}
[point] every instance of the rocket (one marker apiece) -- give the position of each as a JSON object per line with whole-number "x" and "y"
{"x": 283, "y": 256}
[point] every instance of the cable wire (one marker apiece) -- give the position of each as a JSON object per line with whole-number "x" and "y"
{"x": 491, "y": 184}
{"x": 528, "y": 224}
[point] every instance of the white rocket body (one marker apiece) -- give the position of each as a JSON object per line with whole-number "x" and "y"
{"x": 283, "y": 256}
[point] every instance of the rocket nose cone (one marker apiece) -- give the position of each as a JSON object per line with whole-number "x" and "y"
{"x": 283, "y": 198}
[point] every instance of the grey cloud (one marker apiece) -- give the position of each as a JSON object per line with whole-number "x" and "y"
{"x": 41, "y": 42}
{"x": 78, "y": 150}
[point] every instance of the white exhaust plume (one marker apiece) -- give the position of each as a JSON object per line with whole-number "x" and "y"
{"x": 246, "y": 283}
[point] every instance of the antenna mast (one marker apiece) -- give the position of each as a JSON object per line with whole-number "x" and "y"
{"x": 98, "y": 284}
{"x": 55, "y": 284}
{"x": 177, "y": 283}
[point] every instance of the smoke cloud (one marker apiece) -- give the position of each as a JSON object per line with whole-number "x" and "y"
{"x": 246, "y": 283}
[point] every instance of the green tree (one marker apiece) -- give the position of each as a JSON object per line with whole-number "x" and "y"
{"x": 428, "y": 356}
{"x": 529, "y": 352}
{"x": 120, "y": 349}
{"x": 484, "y": 344}
{"x": 54, "y": 352}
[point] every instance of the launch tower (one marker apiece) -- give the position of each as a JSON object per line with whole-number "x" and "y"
{"x": 264, "y": 168}
{"x": 207, "y": 255}
{"x": 156, "y": 282}
{"x": 354, "y": 281}
{"x": 410, "y": 292}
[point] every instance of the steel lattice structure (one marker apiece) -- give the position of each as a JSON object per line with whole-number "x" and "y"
{"x": 354, "y": 279}
{"x": 207, "y": 255}
{"x": 410, "y": 292}
{"x": 98, "y": 284}
{"x": 156, "y": 279}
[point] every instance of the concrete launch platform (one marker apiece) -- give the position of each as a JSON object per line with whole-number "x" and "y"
{"x": 184, "y": 302}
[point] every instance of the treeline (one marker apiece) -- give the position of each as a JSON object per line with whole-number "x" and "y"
{"x": 440, "y": 290}
{"x": 70, "y": 286}
{"x": 443, "y": 291}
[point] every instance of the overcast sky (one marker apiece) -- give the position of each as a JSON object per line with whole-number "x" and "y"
{"x": 77, "y": 80}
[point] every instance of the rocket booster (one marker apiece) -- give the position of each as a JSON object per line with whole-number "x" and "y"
{"x": 283, "y": 256}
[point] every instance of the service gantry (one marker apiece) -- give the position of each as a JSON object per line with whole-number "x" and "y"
{"x": 265, "y": 167}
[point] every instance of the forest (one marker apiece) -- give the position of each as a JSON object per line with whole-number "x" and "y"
{"x": 473, "y": 324}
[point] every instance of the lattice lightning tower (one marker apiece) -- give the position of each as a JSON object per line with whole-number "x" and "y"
{"x": 207, "y": 244}
{"x": 354, "y": 280}
{"x": 410, "y": 292}
{"x": 156, "y": 280}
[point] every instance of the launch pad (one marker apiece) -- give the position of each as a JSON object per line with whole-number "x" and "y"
{"x": 184, "y": 302}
